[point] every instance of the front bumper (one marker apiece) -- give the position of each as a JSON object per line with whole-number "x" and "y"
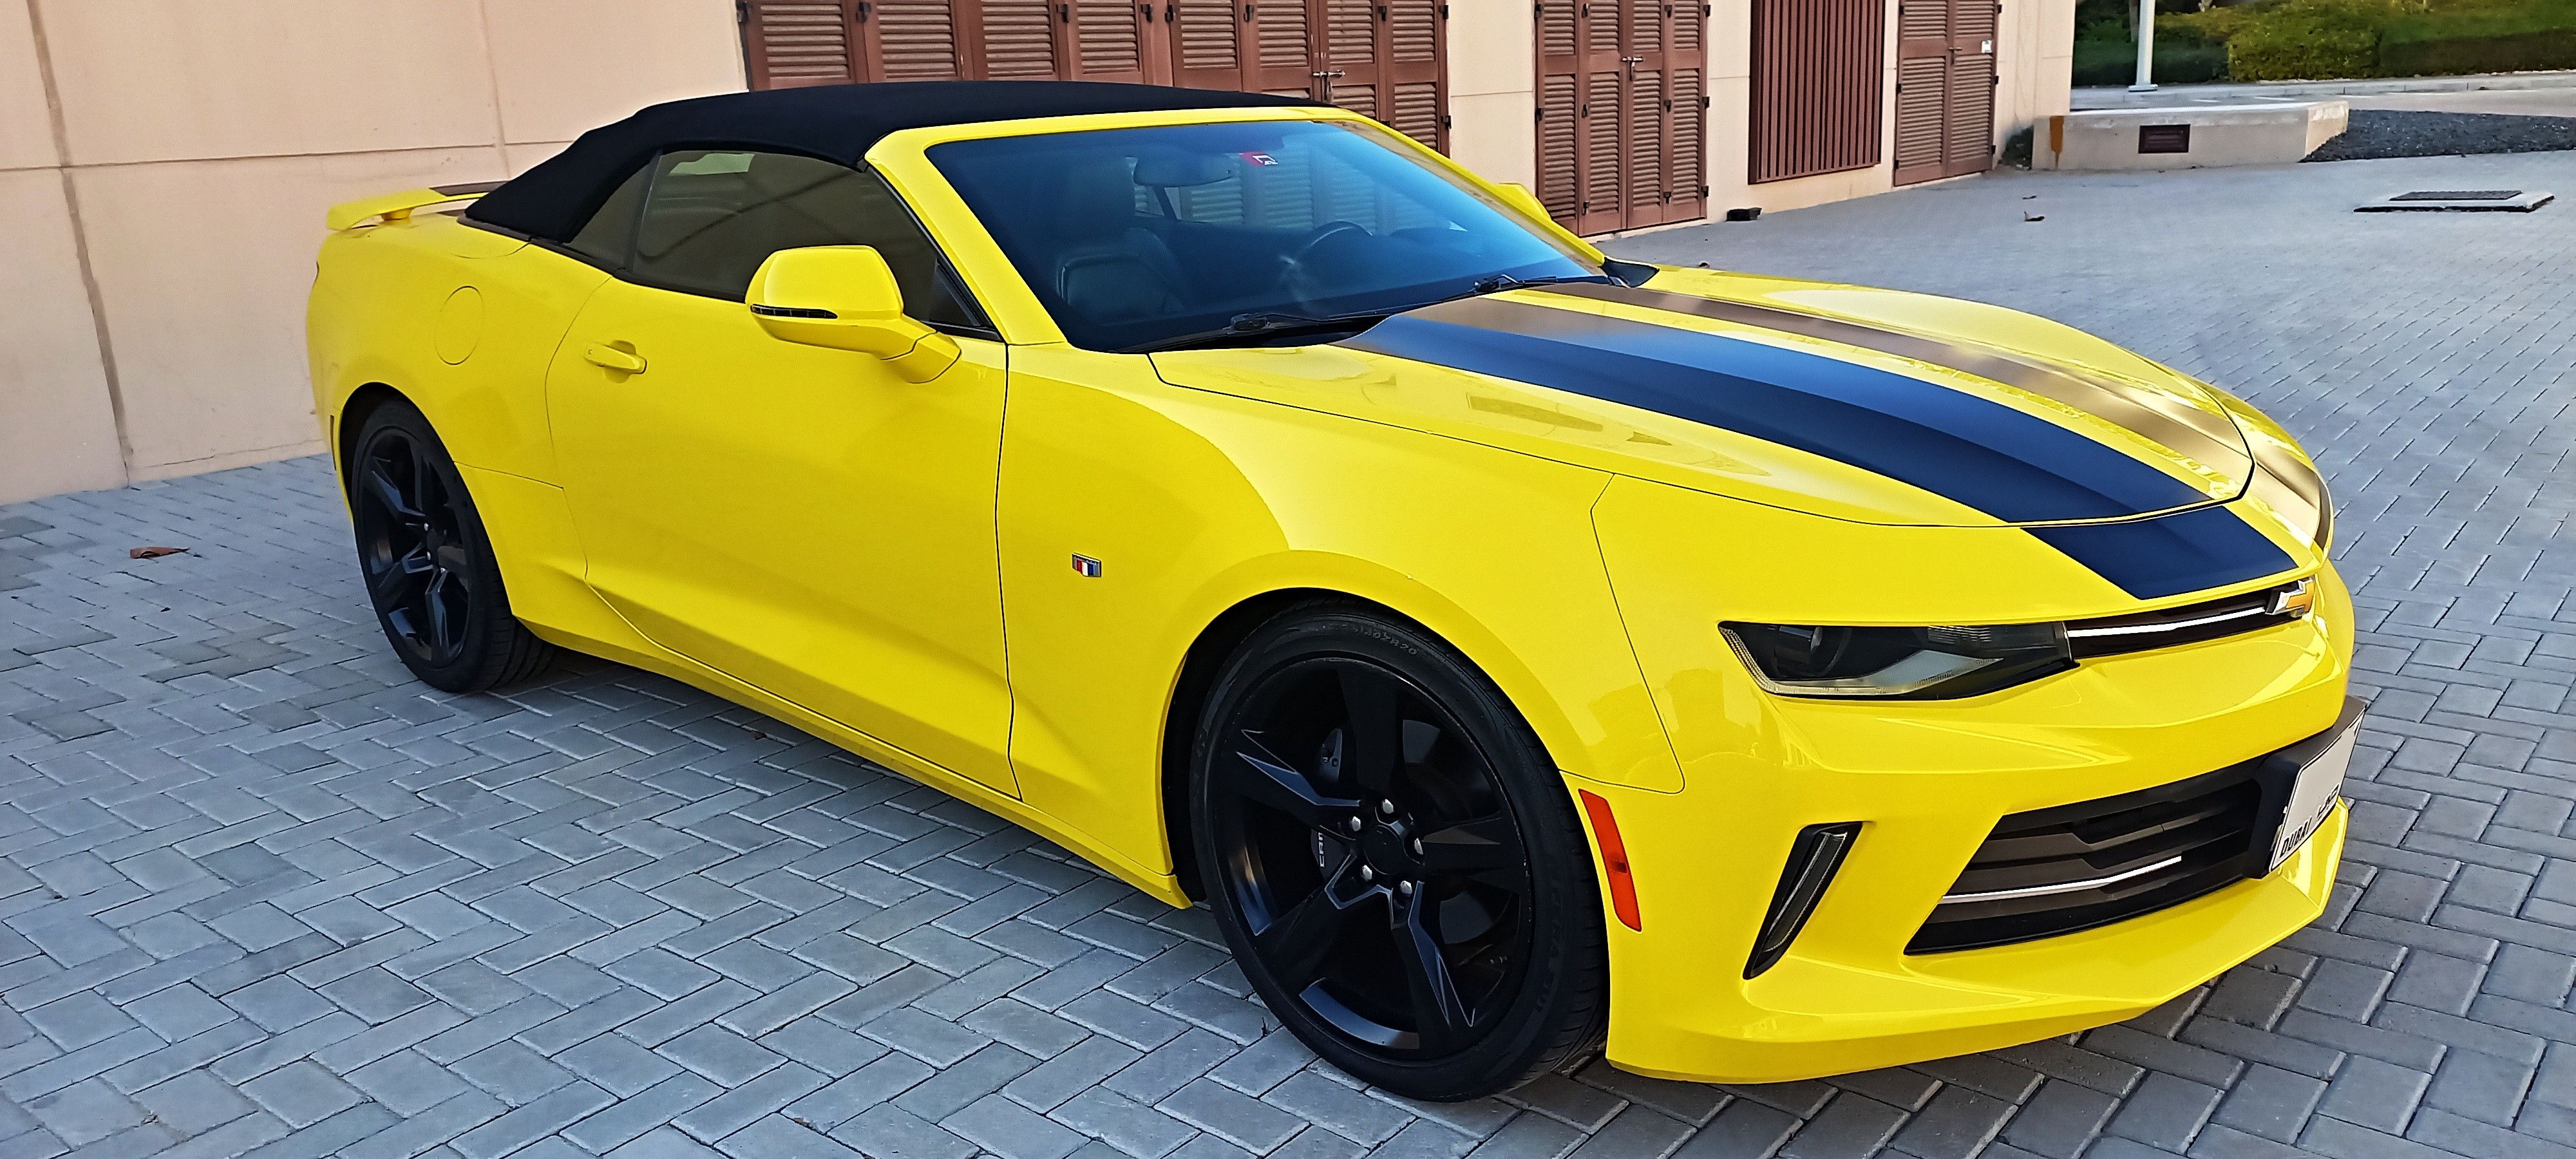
{"x": 1928, "y": 782}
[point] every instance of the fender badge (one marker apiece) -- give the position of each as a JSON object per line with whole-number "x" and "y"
{"x": 1087, "y": 566}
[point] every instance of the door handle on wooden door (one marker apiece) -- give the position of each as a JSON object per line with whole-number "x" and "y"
{"x": 612, "y": 358}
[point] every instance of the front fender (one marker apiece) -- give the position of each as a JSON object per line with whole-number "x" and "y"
{"x": 1194, "y": 502}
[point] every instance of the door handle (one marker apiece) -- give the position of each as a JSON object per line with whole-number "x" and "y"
{"x": 612, "y": 358}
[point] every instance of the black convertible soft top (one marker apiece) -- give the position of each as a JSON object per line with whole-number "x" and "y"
{"x": 835, "y": 122}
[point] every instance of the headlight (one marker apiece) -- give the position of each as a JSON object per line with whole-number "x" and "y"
{"x": 1910, "y": 663}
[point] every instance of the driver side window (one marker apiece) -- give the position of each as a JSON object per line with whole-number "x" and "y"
{"x": 701, "y": 221}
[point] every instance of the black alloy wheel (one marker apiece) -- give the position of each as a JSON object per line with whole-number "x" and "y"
{"x": 1395, "y": 860}
{"x": 428, "y": 566}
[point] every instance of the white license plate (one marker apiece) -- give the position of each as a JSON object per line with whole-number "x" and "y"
{"x": 2313, "y": 795}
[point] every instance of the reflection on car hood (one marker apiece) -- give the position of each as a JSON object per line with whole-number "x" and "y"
{"x": 1871, "y": 405}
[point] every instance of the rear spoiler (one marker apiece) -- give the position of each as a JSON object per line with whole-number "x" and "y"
{"x": 399, "y": 206}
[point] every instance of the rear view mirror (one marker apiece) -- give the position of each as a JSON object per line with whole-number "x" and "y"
{"x": 844, "y": 297}
{"x": 1519, "y": 197}
{"x": 1174, "y": 169}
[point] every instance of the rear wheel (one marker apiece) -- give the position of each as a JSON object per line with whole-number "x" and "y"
{"x": 1393, "y": 858}
{"x": 427, "y": 562}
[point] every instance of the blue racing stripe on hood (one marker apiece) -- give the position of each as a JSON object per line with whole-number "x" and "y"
{"x": 2014, "y": 466}
{"x": 2187, "y": 551}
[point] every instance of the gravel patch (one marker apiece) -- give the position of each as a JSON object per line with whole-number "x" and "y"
{"x": 2377, "y": 133}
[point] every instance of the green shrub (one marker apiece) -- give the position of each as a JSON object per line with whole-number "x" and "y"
{"x": 2459, "y": 56}
{"x": 2307, "y": 40}
{"x": 2115, "y": 62}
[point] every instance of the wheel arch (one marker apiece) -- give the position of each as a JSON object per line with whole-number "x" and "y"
{"x": 352, "y": 417}
{"x": 1206, "y": 655}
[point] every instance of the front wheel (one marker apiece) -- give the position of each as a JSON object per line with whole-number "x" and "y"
{"x": 428, "y": 565}
{"x": 1393, "y": 858}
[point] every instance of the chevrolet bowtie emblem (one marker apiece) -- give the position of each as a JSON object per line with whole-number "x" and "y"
{"x": 2294, "y": 600}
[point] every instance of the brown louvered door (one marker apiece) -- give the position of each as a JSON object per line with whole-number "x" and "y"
{"x": 1413, "y": 71}
{"x": 1945, "y": 88}
{"x": 1622, "y": 112}
{"x": 1109, "y": 40}
{"x": 1968, "y": 144}
{"x": 1385, "y": 58}
{"x": 1600, "y": 146}
{"x": 1014, "y": 39}
{"x": 794, "y": 43}
{"x": 1346, "y": 71}
{"x": 1644, "y": 177}
{"x": 1817, "y": 76}
{"x": 1560, "y": 88}
{"x": 1208, "y": 42}
{"x": 1686, "y": 121}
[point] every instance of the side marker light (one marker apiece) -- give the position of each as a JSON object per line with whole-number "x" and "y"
{"x": 1614, "y": 860}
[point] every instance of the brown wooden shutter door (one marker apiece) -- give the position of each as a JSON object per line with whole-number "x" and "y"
{"x": 1970, "y": 143}
{"x": 1415, "y": 72}
{"x": 1817, "y": 76}
{"x": 1560, "y": 80}
{"x": 1016, "y": 38}
{"x": 1622, "y": 112}
{"x": 1286, "y": 48}
{"x": 794, "y": 43}
{"x": 1384, "y": 58}
{"x": 1686, "y": 87}
{"x": 1945, "y": 88}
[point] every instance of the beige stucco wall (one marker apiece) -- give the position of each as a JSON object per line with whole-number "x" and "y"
{"x": 167, "y": 162}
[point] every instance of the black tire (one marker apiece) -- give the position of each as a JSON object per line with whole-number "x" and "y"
{"x": 427, "y": 562}
{"x": 1419, "y": 908}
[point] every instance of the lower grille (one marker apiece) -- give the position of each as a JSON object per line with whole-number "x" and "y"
{"x": 2074, "y": 867}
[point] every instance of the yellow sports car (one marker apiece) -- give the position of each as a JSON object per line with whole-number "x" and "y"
{"x": 1521, "y": 652}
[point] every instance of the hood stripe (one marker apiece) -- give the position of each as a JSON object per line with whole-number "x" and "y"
{"x": 2187, "y": 551}
{"x": 2014, "y": 466}
{"x": 2189, "y": 431}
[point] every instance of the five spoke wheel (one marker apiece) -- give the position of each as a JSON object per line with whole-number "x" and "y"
{"x": 1373, "y": 856}
{"x": 412, "y": 548}
{"x": 427, "y": 562}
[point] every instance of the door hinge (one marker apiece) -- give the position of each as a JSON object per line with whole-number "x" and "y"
{"x": 1381, "y": 12}
{"x": 1538, "y": 11}
{"x": 1703, "y": 192}
{"x": 1064, "y": 13}
{"x": 742, "y": 11}
{"x": 862, "y": 18}
{"x": 1703, "y": 102}
{"x": 1446, "y": 121}
{"x": 1247, "y": 13}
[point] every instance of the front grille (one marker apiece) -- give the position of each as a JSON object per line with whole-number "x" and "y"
{"x": 2189, "y": 624}
{"x": 2056, "y": 871}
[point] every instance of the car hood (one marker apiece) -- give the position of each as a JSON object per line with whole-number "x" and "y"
{"x": 1871, "y": 405}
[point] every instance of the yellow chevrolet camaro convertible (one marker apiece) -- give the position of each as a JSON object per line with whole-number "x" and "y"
{"x": 1521, "y": 652}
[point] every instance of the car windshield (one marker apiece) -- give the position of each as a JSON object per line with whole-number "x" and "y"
{"x": 1176, "y": 235}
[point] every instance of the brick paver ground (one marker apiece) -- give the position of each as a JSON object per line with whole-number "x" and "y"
{"x": 258, "y": 890}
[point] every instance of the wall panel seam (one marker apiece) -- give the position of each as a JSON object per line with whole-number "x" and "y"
{"x": 80, "y": 240}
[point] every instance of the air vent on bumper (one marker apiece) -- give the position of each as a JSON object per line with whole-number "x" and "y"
{"x": 2060, "y": 870}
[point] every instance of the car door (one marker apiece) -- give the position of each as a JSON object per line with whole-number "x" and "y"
{"x": 798, "y": 518}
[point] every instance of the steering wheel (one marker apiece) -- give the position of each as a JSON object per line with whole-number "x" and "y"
{"x": 1299, "y": 273}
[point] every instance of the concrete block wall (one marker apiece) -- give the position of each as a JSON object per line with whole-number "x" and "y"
{"x": 164, "y": 165}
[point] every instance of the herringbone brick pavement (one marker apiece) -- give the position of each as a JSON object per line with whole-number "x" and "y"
{"x": 259, "y": 892}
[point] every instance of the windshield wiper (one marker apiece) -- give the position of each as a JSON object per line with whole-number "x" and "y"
{"x": 1272, "y": 324}
{"x": 1266, "y": 324}
{"x": 1496, "y": 283}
